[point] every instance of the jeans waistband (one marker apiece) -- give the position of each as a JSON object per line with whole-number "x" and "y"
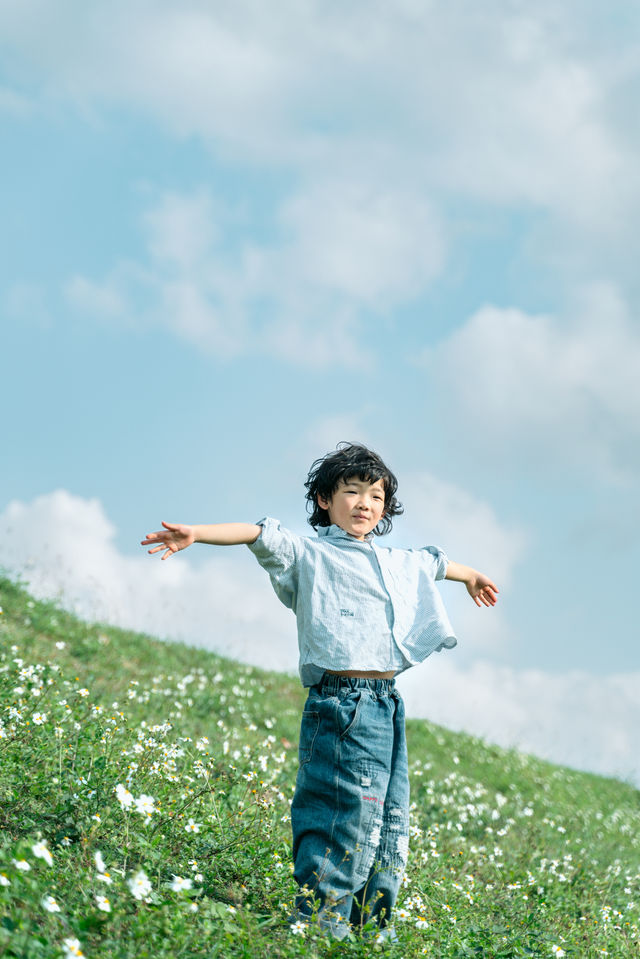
{"x": 331, "y": 684}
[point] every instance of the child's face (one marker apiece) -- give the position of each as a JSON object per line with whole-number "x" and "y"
{"x": 356, "y": 506}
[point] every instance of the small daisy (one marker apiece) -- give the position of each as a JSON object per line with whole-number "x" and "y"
{"x": 22, "y": 864}
{"x": 72, "y": 948}
{"x": 557, "y": 951}
{"x": 124, "y": 797}
{"x": 50, "y": 904}
{"x": 144, "y": 804}
{"x": 99, "y": 861}
{"x": 179, "y": 884}
{"x": 298, "y": 928}
{"x": 193, "y": 826}
{"x": 139, "y": 885}
{"x": 39, "y": 718}
{"x": 40, "y": 850}
{"x": 103, "y": 904}
{"x": 3, "y": 880}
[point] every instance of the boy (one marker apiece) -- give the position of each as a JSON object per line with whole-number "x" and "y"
{"x": 364, "y": 614}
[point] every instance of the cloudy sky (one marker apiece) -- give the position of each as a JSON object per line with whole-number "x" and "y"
{"x": 235, "y": 234}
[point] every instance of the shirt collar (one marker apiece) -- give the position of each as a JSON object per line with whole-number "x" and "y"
{"x": 336, "y": 532}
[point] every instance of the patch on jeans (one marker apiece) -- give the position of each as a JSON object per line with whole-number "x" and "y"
{"x": 364, "y": 782}
{"x": 402, "y": 848}
{"x": 394, "y": 847}
{"x": 374, "y": 836}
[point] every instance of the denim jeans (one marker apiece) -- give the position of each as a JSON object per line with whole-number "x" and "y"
{"x": 350, "y": 811}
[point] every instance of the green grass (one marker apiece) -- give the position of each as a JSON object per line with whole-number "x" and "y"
{"x": 510, "y": 856}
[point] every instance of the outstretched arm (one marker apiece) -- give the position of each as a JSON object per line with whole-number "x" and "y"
{"x": 177, "y": 536}
{"x": 480, "y": 588}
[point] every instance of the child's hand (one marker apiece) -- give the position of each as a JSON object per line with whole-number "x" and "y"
{"x": 173, "y": 537}
{"x": 481, "y": 590}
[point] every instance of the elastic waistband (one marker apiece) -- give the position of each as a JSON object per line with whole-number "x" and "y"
{"x": 331, "y": 684}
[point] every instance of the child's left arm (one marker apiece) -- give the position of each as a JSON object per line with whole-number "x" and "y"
{"x": 480, "y": 588}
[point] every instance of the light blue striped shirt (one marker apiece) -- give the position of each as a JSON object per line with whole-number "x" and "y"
{"x": 358, "y": 605}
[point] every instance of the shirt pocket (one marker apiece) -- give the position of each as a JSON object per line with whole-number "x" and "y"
{"x": 308, "y": 733}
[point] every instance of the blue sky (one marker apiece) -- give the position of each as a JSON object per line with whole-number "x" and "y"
{"x": 233, "y": 238}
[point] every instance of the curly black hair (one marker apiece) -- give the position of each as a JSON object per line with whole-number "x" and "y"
{"x": 348, "y": 461}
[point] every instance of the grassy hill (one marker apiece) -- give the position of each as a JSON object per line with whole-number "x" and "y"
{"x": 144, "y": 812}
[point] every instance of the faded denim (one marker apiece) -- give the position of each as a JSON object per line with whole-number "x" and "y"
{"x": 350, "y": 811}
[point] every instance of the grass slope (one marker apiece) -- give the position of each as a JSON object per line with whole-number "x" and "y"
{"x": 144, "y": 809}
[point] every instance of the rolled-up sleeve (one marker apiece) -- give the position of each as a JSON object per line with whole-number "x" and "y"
{"x": 278, "y": 550}
{"x": 436, "y": 561}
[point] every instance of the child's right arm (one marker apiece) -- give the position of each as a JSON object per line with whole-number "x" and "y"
{"x": 177, "y": 536}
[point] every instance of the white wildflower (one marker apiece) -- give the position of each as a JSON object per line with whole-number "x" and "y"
{"x": 103, "y": 904}
{"x": 40, "y": 850}
{"x": 72, "y": 948}
{"x": 139, "y": 885}
{"x": 125, "y": 798}
{"x": 145, "y": 804}
{"x": 50, "y": 904}
{"x": 179, "y": 884}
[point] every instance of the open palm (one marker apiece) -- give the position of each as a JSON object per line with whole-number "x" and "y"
{"x": 174, "y": 537}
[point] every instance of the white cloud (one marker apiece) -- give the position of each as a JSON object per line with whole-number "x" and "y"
{"x": 519, "y": 101}
{"x": 442, "y": 512}
{"x": 347, "y": 248}
{"x": 494, "y": 104}
{"x": 577, "y": 719}
{"x": 64, "y": 547}
{"x": 547, "y": 390}
{"x": 104, "y": 300}
{"x": 182, "y": 228}
{"x": 388, "y": 123}
{"x": 446, "y": 515}
{"x": 323, "y": 434}
{"x": 374, "y": 245}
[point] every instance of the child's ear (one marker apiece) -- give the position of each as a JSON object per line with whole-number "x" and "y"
{"x": 322, "y": 502}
